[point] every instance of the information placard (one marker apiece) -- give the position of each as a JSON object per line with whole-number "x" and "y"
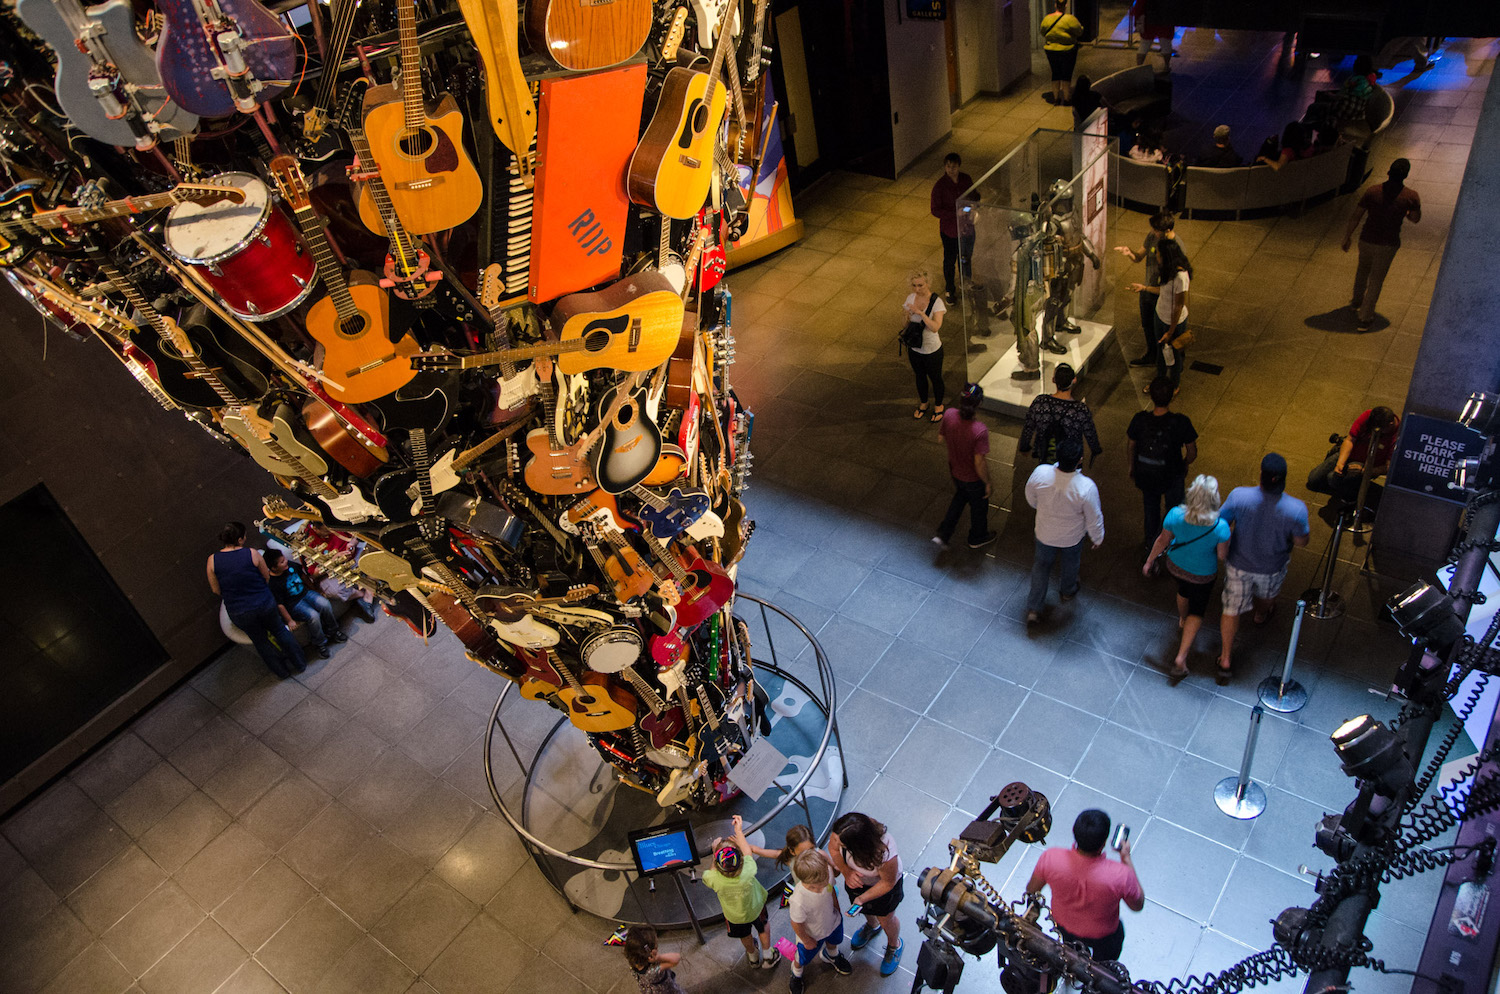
{"x": 1428, "y": 451}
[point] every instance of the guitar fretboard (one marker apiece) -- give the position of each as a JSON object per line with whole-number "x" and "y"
{"x": 403, "y": 247}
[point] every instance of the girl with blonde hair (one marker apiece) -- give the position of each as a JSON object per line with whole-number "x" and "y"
{"x": 1194, "y": 540}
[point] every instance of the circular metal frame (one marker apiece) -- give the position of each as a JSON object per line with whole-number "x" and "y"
{"x": 828, "y": 705}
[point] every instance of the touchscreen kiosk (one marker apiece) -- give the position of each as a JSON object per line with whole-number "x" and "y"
{"x": 664, "y": 848}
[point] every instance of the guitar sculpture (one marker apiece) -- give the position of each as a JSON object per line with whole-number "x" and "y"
{"x": 107, "y": 82}
{"x": 674, "y": 163}
{"x": 419, "y": 147}
{"x": 582, "y": 36}
{"x": 220, "y": 56}
{"x": 352, "y": 323}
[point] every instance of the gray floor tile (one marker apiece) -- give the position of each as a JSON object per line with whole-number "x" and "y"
{"x": 852, "y": 648}
{"x": 1011, "y": 651}
{"x": 1188, "y": 801}
{"x": 1182, "y": 871}
{"x": 1310, "y": 769}
{"x": 1149, "y": 705}
{"x": 910, "y": 674}
{"x": 948, "y": 625}
{"x": 977, "y": 703}
{"x": 262, "y": 904}
{"x": 1250, "y": 921}
{"x": 884, "y": 601}
{"x": 937, "y": 760}
{"x": 1084, "y": 677}
{"x": 873, "y": 727}
{"x": 1050, "y": 734}
{"x": 1127, "y": 765}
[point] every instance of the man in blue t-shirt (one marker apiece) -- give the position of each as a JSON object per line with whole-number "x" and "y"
{"x": 1267, "y": 526}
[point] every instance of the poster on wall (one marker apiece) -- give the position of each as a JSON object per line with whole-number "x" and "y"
{"x": 772, "y": 224}
{"x": 1090, "y": 160}
{"x": 927, "y": 10}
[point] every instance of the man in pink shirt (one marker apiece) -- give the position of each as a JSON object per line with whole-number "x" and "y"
{"x": 968, "y": 441}
{"x": 1087, "y": 887}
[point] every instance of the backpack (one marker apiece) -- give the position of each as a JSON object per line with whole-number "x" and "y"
{"x": 1155, "y": 451}
{"x": 1048, "y": 439}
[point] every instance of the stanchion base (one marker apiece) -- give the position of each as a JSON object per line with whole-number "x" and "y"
{"x": 1243, "y": 808}
{"x": 1293, "y": 699}
{"x": 1333, "y": 605}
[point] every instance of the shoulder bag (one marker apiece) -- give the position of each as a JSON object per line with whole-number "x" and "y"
{"x": 1156, "y": 564}
{"x": 911, "y": 332}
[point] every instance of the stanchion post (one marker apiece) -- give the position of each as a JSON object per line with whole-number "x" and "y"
{"x": 1237, "y": 796}
{"x": 1286, "y": 695}
{"x": 1360, "y": 525}
{"x": 1322, "y": 601}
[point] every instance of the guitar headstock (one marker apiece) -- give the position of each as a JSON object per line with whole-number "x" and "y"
{"x": 491, "y": 286}
{"x": 290, "y": 182}
{"x": 436, "y": 362}
{"x": 579, "y": 592}
{"x": 672, "y": 41}
{"x": 212, "y": 192}
{"x": 275, "y": 506}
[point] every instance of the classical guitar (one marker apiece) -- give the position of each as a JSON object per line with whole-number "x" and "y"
{"x": 583, "y": 36}
{"x": 195, "y": 368}
{"x": 631, "y": 326}
{"x": 353, "y": 321}
{"x": 674, "y": 163}
{"x": 107, "y": 82}
{"x": 26, "y": 227}
{"x": 419, "y": 147}
{"x": 221, "y": 56}
{"x": 495, "y": 28}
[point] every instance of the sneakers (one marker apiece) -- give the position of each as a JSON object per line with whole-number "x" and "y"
{"x": 339, "y": 636}
{"x": 771, "y": 959}
{"x": 322, "y": 651}
{"x": 940, "y": 541}
{"x": 892, "y": 958}
{"x": 1143, "y": 360}
{"x": 839, "y": 962}
{"x": 795, "y": 985}
{"x": 986, "y": 539}
{"x": 753, "y": 959}
{"x": 863, "y": 935}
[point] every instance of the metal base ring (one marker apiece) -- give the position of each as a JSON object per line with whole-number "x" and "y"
{"x": 1332, "y": 606}
{"x": 1291, "y": 698}
{"x": 1245, "y": 807}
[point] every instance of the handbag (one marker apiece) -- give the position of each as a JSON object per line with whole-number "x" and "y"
{"x": 911, "y": 332}
{"x": 1156, "y": 566}
{"x": 1183, "y": 340}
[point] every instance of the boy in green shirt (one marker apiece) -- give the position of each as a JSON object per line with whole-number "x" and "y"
{"x": 741, "y": 896}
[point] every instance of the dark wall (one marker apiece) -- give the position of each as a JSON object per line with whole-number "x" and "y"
{"x": 147, "y": 490}
{"x": 1395, "y": 18}
{"x": 844, "y": 43}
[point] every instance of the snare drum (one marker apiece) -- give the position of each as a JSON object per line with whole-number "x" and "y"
{"x": 611, "y": 650}
{"x": 249, "y": 253}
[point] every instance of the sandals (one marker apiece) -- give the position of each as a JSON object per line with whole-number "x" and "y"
{"x": 1177, "y": 675}
{"x": 1261, "y": 619}
{"x": 937, "y": 414}
{"x": 1224, "y": 675}
{"x": 920, "y": 412}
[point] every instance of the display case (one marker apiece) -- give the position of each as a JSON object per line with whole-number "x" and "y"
{"x": 1037, "y": 292}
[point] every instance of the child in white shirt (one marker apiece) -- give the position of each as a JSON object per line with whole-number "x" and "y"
{"x": 817, "y": 918}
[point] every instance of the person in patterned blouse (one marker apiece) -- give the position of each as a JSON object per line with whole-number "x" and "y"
{"x": 1053, "y": 417}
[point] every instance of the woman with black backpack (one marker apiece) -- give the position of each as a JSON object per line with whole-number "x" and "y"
{"x": 924, "y": 312}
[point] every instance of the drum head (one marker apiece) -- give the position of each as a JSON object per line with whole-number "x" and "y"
{"x": 205, "y": 233}
{"x": 611, "y": 650}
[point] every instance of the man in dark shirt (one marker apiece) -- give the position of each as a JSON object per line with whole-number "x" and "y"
{"x": 957, "y": 232}
{"x": 1162, "y": 444}
{"x": 294, "y": 591}
{"x": 1221, "y": 154}
{"x": 1388, "y": 204}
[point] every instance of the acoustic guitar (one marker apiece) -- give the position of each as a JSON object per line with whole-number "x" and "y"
{"x": 557, "y": 472}
{"x": 674, "y": 163}
{"x": 353, "y": 321}
{"x": 628, "y": 451}
{"x": 704, "y": 586}
{"x": 419, "y": 147}
{"x": 595, "y": 704}
{"x": 583, "y": 36}
{"x": 632, "y": 326}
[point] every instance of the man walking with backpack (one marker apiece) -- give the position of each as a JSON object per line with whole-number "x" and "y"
{"x": 1162, "y": 445}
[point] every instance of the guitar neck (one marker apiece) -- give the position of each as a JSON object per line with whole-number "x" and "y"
{"x": 402, "y": 246}
{"x": 329, "y": 270}
{"x": 721, "y": 45}
{"x": 340, "y": 567}
{"x": 510, "y": 356}
{"x": 115, "y": 208}
{"x": 343, "y": 27}
{"x": 315, "y": 483}
{"x": 668, "y": 560}
{"x": 512, "y": 493}
{"x": 411, "y": 68}
{"x": 655, "y": 703}
{"x": 422, "y": 463}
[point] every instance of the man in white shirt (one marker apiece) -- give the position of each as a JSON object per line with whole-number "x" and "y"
{"x": 1067, "y": 508}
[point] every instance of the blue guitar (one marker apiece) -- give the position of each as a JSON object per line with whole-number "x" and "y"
{"x": 667, "y": 515}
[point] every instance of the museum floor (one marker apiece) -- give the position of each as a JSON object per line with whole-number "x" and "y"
{"x": 334, "y": 833}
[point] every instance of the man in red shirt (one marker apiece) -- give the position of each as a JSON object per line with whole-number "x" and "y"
{"x": 957, "y": 232}
{"x": 1388, "y": 204}
{"x": 1087, "y": 887}
{"x": 968, "y": 441}
{"x": 1338, "y": 475}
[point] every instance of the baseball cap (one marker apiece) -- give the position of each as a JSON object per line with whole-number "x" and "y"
{"x": 1221, "y": 133}
{"x": 1273, "y": 464}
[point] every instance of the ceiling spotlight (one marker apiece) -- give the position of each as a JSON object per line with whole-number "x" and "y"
{"x": 1482, "y": 413}
{"x": 1372, "y": 752}
{"x": 1425, "y": 615}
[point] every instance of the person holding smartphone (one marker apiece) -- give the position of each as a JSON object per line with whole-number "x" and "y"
{"x": 865, "y": 855}
{"x": 1087, "y": 887}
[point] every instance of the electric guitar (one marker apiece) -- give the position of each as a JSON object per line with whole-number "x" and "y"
{"x": 562, "y": 471}
{"x": 704, "y": 586}
{"x": 194, "y": 368}
{"x": 674, "y": 163}
{"x": 281, "y": 429}
{"x": 631, "y": 326}
{"x": 663, "y": 723}
{"x": 107, "y": 82}
{"x": 26, "y": 228}
{"x": 581, "y": 36}
{"x": 667, "y": 515}
{"x": 419, "y": 147}
{"x": 321, "y": 142}
{"x": 347, "y": 505}
{"x": 710, "y": 15}
{"x": 516, "y": 387}
{"x": 353, "y": 322}
{"x": 220, "y": 56}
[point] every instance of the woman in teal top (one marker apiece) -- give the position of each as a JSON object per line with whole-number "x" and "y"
{"x": 1195, "y": 540}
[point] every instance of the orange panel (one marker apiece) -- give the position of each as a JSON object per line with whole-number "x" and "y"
{"x": 587, "y": 130}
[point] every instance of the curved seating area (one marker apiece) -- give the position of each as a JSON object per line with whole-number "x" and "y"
{"x": 1259, "y": 190}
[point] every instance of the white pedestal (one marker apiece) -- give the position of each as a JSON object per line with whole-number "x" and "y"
{"x": 1008, "y": 396}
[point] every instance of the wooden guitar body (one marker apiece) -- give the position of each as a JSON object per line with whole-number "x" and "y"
{"x": 581, "y": 36}
{"x": 187, "y": 59}
{"x": 431, "y": 182}
{"x": 706, "y": 589}
{"x": 116, "y": 42}
{"x": 348, "y": 346}
{"x": 674, "y": 162}
{"x": 555, "y": 472}
{"x": 633, "y": 325}
{"x": 599, "y": 705}
{"x": 338, "y": 442}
